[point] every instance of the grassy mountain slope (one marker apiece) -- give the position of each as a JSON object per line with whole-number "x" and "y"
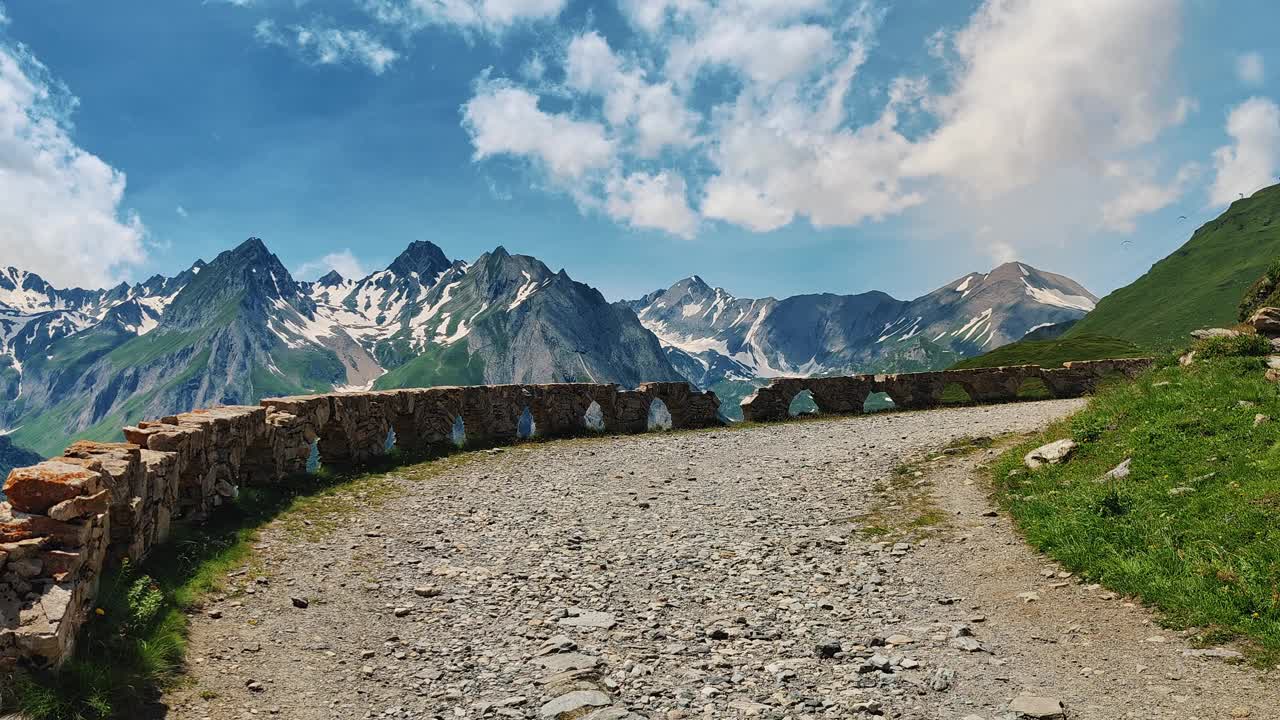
{"x": 1192, "y": 528}
{"x": 1052, "y": 353}
{"x": 1200, "y": 284}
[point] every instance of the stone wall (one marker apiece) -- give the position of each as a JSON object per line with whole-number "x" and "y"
{"x": 68, "y": 518}
{"x": 917, "y": 391}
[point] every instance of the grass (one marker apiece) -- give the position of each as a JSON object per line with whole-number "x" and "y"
{"x": 447, "y": 365}
{"x": 906, "y": 509}
{"x": 1192, "y": 531}
{"x": 133, "y": 646}
{"x": 1052, "y": 353}
{"x": 1200, "y": 284}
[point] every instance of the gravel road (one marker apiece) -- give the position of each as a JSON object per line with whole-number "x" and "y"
{"x": 717, "y": 574}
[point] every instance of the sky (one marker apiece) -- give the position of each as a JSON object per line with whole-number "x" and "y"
{"x": 773, "y": 147}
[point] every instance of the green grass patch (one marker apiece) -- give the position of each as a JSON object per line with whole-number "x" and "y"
{"x": 1034, "y": 389}
{"x": 132, "y": 648}
{"x": 1193, "y": 530}
{"x": 1247, "y": 345}
{"x": 437, "y": 365}
{"x": 955, "y": 394}
{"x": 1052, "y": 353}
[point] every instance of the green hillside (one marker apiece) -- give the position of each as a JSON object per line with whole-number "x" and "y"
{"x": 1191, "y": 529}
{"x": 1052, "y": 353}
{"x": 1199, "y": 285}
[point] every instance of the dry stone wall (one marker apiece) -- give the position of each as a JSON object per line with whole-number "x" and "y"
{"x": 67, "y": 519}
{"x": 917, "y": 391}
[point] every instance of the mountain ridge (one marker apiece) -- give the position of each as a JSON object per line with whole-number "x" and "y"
{"x": 1199, "y": 284}
{"x": 240, "y": 328}
{"x": 734, "y": 344}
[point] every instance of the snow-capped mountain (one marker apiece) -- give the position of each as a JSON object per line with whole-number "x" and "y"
{"x": 83, "y": 363}
{"x": 35, "y": 315}
{"x": 715, "y": 339}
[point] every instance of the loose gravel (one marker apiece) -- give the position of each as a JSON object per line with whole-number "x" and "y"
{"x": 720, "y": 574}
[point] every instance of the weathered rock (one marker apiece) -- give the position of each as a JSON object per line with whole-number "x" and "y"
{"x": 36, "y": 489}
{"x": 1120, "y": 472}
{"x": 82, "y": 506}
{"x": 1206, "y": 333}
{"x": 573, "y": 704}
{"x": 589, "y": 619}
{"x": 566, "y": 661}
{"x": 1266, "y": 321}
{"x": 1052, "y": 454}
{"x": 1037, "y": 708}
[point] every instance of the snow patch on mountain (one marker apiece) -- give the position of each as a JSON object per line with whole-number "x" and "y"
{"x": 1047, "y": 296}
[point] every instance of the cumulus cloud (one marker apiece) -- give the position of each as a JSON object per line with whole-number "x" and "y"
{"x": 344, "y": 262}
{"x": 321, "y": 45}
{"x": 1250, "y": 69}
{"x": 652, "y": 112}
{"x": 60, "y": 205}
{"x": 1029, "y": 105}
{"x": 506, "y": 120}
{"x": 182, "y": 212}
{"x": 1250, "y": 162}
{"x": 1142, "y": 194}
{"x": 487, "y": 15}
{"x": 1038, "y": 85}
{"x": 652, "y": 201}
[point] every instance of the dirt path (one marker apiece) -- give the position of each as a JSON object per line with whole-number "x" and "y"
{"x": 712, "y": 574}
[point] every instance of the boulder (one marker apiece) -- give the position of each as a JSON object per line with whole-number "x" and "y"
{"x": 1052, "y": 454}
{"x": 1266, "y": 321}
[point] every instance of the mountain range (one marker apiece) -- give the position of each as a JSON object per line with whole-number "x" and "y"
{"x": 82, "y": 363}
{"x": 732, "y": 344}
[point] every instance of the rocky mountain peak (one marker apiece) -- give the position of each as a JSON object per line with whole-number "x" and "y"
{"x": 331, "y": 279}
{"x": 250, "y": 274}
{"x": 421, "y": 257}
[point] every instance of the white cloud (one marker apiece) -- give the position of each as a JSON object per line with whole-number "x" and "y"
{"x": 1039, "y": 85}
{"x": 506, "y": 120}
{"x": 182, "y": 212}
{"x": 1028, "y": 105}
{"x": 4, "y": 18}
{"x": 344, "y": 262}
{"x": 653, "y": 112}
{"x": 1250, "y": 69}
{"x": 1251, "y": 161}
{"x": 652, "y": 201}
{"x": 487, "y": 15}
{"x": 60, "y": 205}
{"x": 321, "y": 45}
{"x": 1143, "y": 195}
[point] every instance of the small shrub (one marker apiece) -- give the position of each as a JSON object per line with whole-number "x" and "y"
{"x": 1088, "y": 427}
{"x": 1265, "y": 292}
{"x": 1247, "y": 345}
{"x": 1113, "y": 504}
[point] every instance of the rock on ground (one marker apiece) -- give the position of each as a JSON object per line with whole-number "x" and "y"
{"x": 721, "y": 574}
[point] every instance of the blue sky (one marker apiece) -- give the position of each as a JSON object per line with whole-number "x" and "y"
{"x": 771, "y": 146}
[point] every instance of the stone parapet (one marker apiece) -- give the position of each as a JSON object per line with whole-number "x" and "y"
{"x": 918, "y": 391}
{"x": 66, "y": 520}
